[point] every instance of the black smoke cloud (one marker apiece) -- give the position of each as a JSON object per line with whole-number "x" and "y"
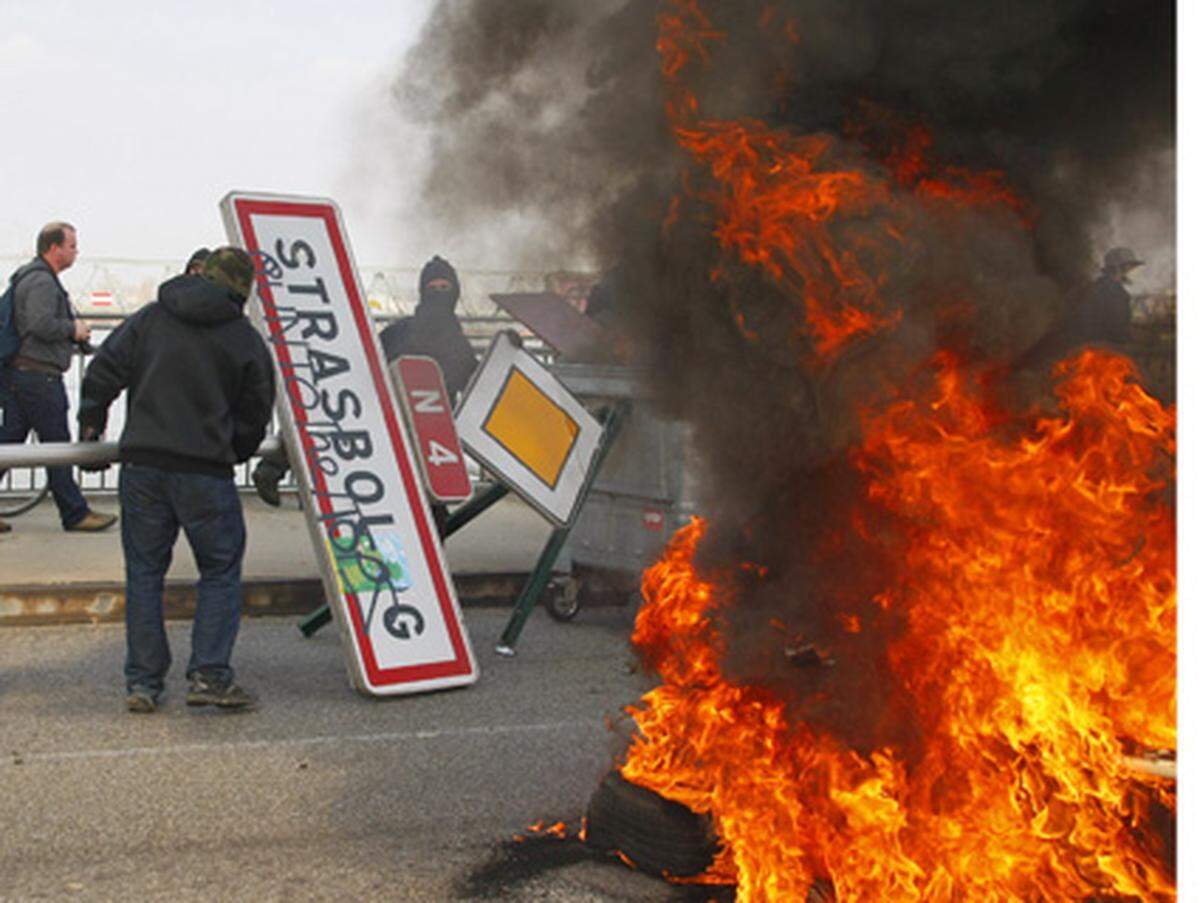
{"x": 548, "y": 116}
{"x": 541, "y": 113}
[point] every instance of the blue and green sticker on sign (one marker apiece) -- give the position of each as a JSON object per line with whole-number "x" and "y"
{"x": 377, "y": 569}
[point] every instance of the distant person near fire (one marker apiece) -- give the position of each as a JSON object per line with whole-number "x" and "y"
{"x": 1105, "y": 315}
{"x": 1101, "y": 314}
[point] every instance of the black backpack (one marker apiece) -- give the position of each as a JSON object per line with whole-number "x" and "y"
{"x": 10, "y": 341}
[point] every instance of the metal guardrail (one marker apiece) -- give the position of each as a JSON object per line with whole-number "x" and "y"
{"x": 56, "y": 454}
{"x": 25, "y": 479}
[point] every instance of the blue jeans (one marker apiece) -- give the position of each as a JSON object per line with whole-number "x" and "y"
{"x": 38, "y": 402}
{"x": 154, "y": 505}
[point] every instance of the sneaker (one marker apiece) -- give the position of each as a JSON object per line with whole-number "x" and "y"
{"x": 266, "y": 483}
{"x": 93, "y": 522}
{"x": 141, "y": 701}
{"x": 225, "y": 696}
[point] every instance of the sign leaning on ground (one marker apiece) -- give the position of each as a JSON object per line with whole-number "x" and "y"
{"x": 385, "y": 575}
{"x": 527, "y": 428}
{"x": 419, "y": 381}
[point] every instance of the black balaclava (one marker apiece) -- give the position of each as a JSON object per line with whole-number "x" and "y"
{"x": 438, "y": 268}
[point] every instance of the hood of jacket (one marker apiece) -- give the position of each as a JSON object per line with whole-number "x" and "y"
{"x": 36, "y": 264}
{"x": 199, "y": 300}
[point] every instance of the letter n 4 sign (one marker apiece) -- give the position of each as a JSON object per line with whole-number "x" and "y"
{"x": 419, "y": 383}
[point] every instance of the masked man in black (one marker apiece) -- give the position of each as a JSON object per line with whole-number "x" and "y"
{"x": 432, "y": 330}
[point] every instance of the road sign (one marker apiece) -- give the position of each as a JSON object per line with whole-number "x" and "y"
{"x": 527, "y": 428}
{"x": 384, "y": 572}
{"x": 427, "y": 407}
{"x": 559, "y": 324}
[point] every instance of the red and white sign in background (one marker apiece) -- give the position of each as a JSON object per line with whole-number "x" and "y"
{"x": 427, "y": 406}
{"x": 384, "y": 571}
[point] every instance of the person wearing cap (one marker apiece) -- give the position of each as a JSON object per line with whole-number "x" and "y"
{"x": 35, "y": 396}
{"x": 1100, "y": 314}
{"x": 200, "y": 393}
{"x": 432, "y": 330}
{"x": 1104, "y": 315}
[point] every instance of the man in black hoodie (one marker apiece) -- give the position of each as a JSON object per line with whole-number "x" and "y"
{"x": 201, "y": 389}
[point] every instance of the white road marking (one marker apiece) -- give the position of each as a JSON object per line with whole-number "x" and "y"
{"x": 26, "y": 758}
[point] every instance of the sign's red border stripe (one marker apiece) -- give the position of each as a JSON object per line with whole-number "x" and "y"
{"x": 460, "y": 664}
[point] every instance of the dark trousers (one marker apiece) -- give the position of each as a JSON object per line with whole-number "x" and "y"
{"x": 155, "y": 504}
{"x": 37, "y": 402}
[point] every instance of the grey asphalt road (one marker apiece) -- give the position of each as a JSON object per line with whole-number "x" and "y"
{"x": 321, "y": 793}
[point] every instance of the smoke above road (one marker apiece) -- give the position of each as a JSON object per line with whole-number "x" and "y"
{"x": 800, "y": 205}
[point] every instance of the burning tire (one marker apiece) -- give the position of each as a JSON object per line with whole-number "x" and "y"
{"x": 655, "y": 834}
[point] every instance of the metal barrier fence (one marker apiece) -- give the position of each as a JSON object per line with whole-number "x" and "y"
{"x": 23, "y": 481}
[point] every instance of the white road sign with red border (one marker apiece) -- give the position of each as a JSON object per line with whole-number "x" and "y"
{"x": 385, "y": 574}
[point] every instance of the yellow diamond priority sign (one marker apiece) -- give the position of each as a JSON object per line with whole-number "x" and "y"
{"x": 527, "y": 428}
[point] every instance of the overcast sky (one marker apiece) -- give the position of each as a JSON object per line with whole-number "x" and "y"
{"x": 132, "y": 120}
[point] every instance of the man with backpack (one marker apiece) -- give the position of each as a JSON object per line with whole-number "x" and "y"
{"x": 41, "y": 335}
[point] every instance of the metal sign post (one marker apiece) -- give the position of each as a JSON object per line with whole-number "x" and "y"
{"x": 526, "y": 427}
{"x": 539, "y": 579}
{"x": 382, "y": 566}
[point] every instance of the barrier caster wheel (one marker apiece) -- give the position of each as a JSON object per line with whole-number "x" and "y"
{"x": 562, "y": 599}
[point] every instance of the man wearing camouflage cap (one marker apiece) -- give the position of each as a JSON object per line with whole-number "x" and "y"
{"x": 200, "y": 391}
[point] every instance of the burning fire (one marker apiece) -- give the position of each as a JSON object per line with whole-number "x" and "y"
{"x": 557, "y": 829}
{"x": 775, "y": 199}
{"x": 1035, "y": 555}
{"x": 1040, "y": 599}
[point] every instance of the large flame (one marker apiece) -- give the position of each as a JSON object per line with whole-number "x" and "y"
{"x": 1039, "y": 594}
{"x": 1036, "y": 562}
{"x": 773, "y": 198}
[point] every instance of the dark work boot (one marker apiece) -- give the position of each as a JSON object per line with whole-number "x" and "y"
{"x": 225, "y": 696}
{"x": 141, "y": 700}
